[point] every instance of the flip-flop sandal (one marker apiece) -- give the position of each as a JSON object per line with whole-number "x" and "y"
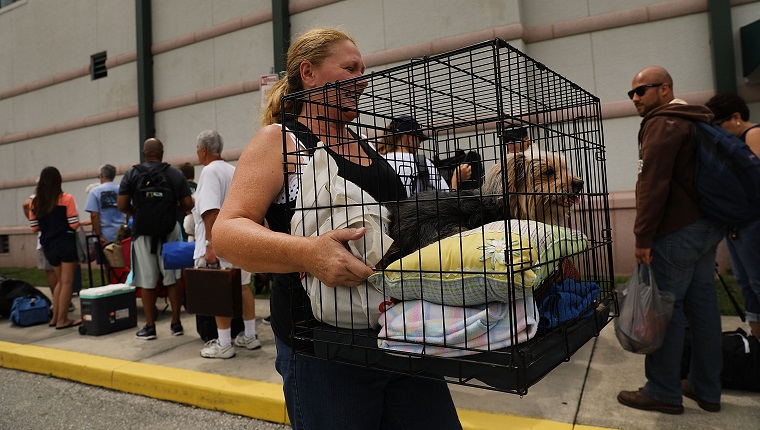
{"x": 69, "y": 325}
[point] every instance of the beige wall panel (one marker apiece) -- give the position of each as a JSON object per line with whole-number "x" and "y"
{"x": 6, "y": 117}
{"x": 175, "y": 18}
{"x": 544, "y": 12}
{"x": 352, "y": 16}
{"x": 10, "y": 210}
{"x": 116, "y": 27}
{"x": 179, "y": 127}
{"x": 754, "y": 112}
{"x": 571, "y": 57}
{"x": 243, "y": 55}
{"x": 116, "y": 91}
{"x": 680, "y": 45}
{"x": 119, "y": 143}
{"x": 185, "y": 70}
{"x": 237, "y": 119}
{"x": 7, "y": 37}
{"x": 70, "y": 151}
{"x": 597, "y": 7}
{"x": 227, "y": 10}
{"x": 621, "y": 141}
{"x": 71, "y": 24}
{"x": 8, "y": 165}
{"x": 69, "y": 101}
{"x": 403, "y": 24}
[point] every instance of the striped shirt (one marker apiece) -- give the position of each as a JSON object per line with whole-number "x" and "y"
{"x": 63, "y": 219}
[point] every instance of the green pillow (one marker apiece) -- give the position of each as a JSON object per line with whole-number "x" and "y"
{"x": 551, "y": 241}
{"x": 470, "y": 268}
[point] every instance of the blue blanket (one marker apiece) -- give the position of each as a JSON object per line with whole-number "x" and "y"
{"x": 565, "y": 301}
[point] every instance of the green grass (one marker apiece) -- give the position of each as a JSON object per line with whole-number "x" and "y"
{"x": 37, "y": 277}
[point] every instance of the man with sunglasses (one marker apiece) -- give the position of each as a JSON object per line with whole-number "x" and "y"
{"x": 677, "y": 244}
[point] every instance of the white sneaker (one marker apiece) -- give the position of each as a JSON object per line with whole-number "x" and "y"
{"x": 214, "y": 350}
{"x": 247, "y": 342}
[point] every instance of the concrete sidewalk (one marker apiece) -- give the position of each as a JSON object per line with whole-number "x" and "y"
{"x": 579, "y": 394}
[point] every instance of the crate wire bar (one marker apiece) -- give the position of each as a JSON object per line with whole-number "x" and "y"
{"x": 537, "y": 296}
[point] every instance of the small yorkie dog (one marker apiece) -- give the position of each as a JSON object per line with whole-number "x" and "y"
{"x": 536, "y": 185}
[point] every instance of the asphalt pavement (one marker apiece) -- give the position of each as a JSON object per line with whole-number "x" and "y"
{"x": 32, "y": 401}
{"x": 579, "y": 394}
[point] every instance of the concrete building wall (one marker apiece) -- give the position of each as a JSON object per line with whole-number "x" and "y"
{"x": 209, "y": 55}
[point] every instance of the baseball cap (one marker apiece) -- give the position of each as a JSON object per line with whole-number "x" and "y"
{"x": 408, "y": 125}
{"x": 514, "y": 134}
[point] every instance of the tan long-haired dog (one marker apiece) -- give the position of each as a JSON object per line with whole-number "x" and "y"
{"x": 540, "y": 186}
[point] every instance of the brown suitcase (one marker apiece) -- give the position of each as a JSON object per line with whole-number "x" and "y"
{"x": 213, "y": 292}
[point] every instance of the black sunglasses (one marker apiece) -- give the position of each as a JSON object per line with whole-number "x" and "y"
{"x": 641, "y": 89}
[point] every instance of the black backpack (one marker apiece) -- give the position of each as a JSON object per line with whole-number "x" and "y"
{"x": 741, "y": 361}
{"x": 725, "y": 163}
{"x": 154, "y": 202}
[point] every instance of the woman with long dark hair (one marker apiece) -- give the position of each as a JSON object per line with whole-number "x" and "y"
{"x": 54, "y": 214}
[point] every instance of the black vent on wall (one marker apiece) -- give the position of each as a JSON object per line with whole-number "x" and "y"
{"x": 98, "y": 66}
{"x": 750, "y": 35}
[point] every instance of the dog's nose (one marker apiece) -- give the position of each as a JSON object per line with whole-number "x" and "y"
{"x": 577, "y": 185}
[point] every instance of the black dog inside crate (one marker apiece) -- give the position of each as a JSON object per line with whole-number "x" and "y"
{"x": 493, "y": 282}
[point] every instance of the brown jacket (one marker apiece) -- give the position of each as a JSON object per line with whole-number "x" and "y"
{"x": 666, "y": 182}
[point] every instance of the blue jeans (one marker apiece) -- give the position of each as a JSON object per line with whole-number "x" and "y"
{"x": 321, "y": 394}
{"x": 683, "y": 263}
{"x": 745, "y": 261}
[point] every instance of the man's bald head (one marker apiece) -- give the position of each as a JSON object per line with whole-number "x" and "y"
{"x": 654, "y": 74}
{"x": 153, "y": 149}
{"x": 651, "y": 88}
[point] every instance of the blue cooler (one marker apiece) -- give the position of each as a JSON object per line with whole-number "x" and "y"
{"x": 107, "y": 309}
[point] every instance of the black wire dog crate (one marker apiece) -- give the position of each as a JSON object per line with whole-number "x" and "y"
{"x": 492, "y": 284}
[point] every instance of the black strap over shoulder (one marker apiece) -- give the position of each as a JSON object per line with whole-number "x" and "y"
{"x": 423, "y": 176}
{"x": 303, "y": 134}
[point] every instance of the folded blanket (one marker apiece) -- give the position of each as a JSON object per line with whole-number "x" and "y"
{"x": 565, "y": 301}
{"x": 443, "y": 329}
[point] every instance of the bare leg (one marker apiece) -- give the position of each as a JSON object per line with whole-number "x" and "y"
{"x": 63, "y": 293}
{"x": 249, "y": 304}
{"x": 149, "y": 305}
{"x": 52, "y": 280}
{"x": 175, "y": 299}
{"x": 55, "y": 290}
{"x": 223, "y": 322}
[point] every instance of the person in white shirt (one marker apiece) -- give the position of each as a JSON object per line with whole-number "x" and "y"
{"x": 399, "y": 145}
{"x": 213, "y": 184}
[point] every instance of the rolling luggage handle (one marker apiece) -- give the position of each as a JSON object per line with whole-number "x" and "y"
{"x": 731, "y": 297}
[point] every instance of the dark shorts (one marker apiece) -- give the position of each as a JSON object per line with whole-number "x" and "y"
{"x": 61, "y": 250}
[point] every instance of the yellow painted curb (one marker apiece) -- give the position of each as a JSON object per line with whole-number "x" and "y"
{"x": 260, "y": 400}
{"x": 477, "y": 420}
{"x": 254, "y": 399}
{"x": 84, "y": 368}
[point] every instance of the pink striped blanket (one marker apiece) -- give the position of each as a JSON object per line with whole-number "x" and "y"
{"x": 427, "y": 328}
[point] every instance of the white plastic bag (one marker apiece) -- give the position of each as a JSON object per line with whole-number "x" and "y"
{"x": 645, "y": 313}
